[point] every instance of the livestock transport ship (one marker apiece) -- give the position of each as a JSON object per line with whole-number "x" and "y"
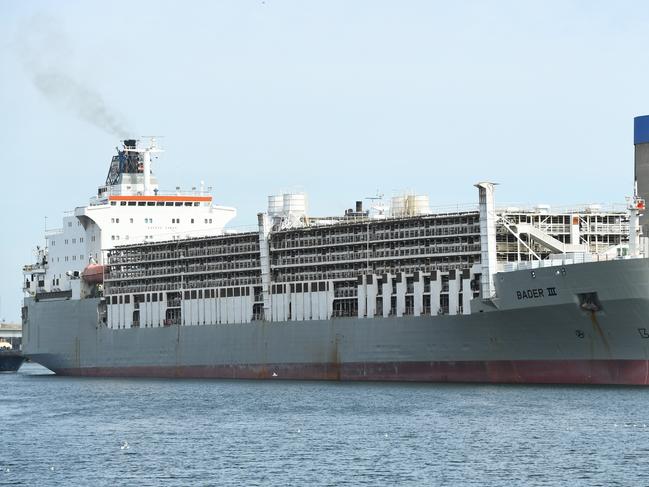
{"x": 141, "y": 283}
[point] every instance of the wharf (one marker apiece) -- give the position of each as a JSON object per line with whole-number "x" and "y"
{"x": 11, "y": 359}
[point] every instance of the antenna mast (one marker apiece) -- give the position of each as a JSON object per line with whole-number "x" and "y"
{"x": 146, "y": 161}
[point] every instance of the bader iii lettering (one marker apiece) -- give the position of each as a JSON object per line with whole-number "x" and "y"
{"x": 535, "y": 293}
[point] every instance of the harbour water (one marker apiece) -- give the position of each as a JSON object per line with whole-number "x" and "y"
{"x": 79, "y": 431}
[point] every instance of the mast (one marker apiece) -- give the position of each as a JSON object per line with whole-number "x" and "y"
{"x": 146, "y": 162}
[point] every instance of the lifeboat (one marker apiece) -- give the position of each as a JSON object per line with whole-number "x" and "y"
{"x": 93, "y": 274}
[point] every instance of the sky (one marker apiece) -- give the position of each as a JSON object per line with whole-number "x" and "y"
{"x": 340, "y": 99}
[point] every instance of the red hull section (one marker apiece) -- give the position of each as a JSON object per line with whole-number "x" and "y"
{"x": 615, "y": 372}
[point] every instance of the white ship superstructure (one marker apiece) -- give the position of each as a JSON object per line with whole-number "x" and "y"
{"x": 128, "y": 209}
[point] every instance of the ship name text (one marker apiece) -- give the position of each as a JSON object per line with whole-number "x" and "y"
{"x": 536, "y": 293}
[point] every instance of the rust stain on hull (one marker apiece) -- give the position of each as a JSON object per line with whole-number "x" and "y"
{"x": 600, "y": 332}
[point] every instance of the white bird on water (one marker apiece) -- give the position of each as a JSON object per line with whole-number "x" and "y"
{"x": 124, "y": 446}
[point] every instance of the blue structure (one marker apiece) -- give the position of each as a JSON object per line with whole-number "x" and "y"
{"x": 641, "y": 130}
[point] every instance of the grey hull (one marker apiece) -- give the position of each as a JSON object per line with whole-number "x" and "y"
{"x": 531, "y": 337}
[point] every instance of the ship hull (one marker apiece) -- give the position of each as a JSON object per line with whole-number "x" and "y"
{"x": 620, "y": 372}
{"x": 543, "y": 339}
